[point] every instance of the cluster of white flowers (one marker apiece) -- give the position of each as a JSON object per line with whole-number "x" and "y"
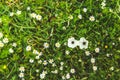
{"x": 35, "y": 16}
{"x": 82, "y": 43}
{"x": 18, "y": 12}
{"x": 43, "y": 74}
{"x": 103, "y": 4}
{"x": 22, "y": 70}
{"x": 3, "y": 40}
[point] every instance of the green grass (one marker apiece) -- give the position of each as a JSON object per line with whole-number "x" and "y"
{"x": 56, "y": 26}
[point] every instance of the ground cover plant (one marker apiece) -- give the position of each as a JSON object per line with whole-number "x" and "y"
{"x": 59, "y": 39}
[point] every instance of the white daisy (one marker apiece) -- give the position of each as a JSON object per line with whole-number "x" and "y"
{"x": 31, "y": 60}
{"x": 28, "y": 8}
{"x": 72, "y": 43}
{"x": 45, "y": 62}
{"x": 84, "y": 9}
{"x": 67, "y": 52}
{"x": 5, "y": 40}
{"x": 1, "y": 44}
{"x": 57, "y": 44}
{"x": 72, "y": 71}
{"x": 21, "y": 69}
{"x": 0, "y": 20}
{"x": 92, "y": 60}
{"x": 63, "y": 77}
{"x": 18, "y": 12}
{"x": 92, "y": 18}
{"x": 28, "y": 48}
{"x": 21, "y": 75}
{"x": 14, "y": 44}
{"x": 83, "y": 43}
{"x": 1, "y": 35}
{"x": 67, "y": 76}
{"x": 11, "y": 50}
{"x": 38, "y": 17}
{"x": 80, "y": 16}
{"x": 33, "y": 15}
{"x": 70, "y": 17}
{"x": 40, "y": 61}
{"x": 46, "y": 45}
{"x": 112, "y": 68}
{"x": 61, "y": 68}
{"x": 37, "y": 57}
{"x": 51, "y": 61}
{"x": 94, "y": 68}
{"x": 97, "y": 50}
{"x": 42, "y": 76}
{"x": 11, "y": 14}
{"x": 87, "y": 53}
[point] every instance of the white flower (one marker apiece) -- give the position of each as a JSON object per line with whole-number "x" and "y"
{"x": 31, "y": 60}
{"x": 64, "y": 28}
{"x": 28, "y": 8}
{"x": 84, "y": 9}
{"x": 28, "y": 48}
{"x": 40, "y": 61}
{"x": 14, "y": 44}
{"x": 87, "y": 53}
{"x": 72, "y": 43}
{"x": 45, "y": 62}
{"x": 103, "y": 4}
{"x": 5, "y": 40}
{"x": 42, "y": 76}
{"x": 92, "y": 60}
{"x": 11, "y": 14}
{"x": 46, "y": 45}
{"x": 57, "y": 44}
{"x": 22, "y": 69}
{"x": 108, "y": 55}
{"x": 51, "y": 61}
{"x": 83, "y": 43}
{"x": 1, "y": 35}
{"x": 1, "y": 44}
{"x": 35, "y": 51}
{"x": 112, "y": 68}
{"x": 0, "y": 20}
{"x": 44, "y": 72}
{"x": 94, "y": 68}
{"x": 55, "y": 72}
{"x": 72, "y": 71}
{"x": 80, "y": 16}
{"x": 18, "y": 12}
{"x": 61, "y": 68}
{"x": 40, "y": 54}
{"x": 67, "y": 52}
{"x": 97, "y": 50}
{"x": 38, "y": 17}
{"x": 67, "y": 76}
{"x": 70, "y": 17}
{"x": 21, "y": 75}
{"x": 37, "y": 70}
{"x": 61, "y": 63}
{"x": 33, "y": 15}
{"x": 11, "y": 50}
{"x": 53, "y": 65}
{"x": 92, "y": 18}
{"x": 63, "y": 77}
{"x": 37, "y": 57}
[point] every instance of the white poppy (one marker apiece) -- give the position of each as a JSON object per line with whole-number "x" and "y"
{"x": 72, "y": 43}
{"x": 83, "y": 43}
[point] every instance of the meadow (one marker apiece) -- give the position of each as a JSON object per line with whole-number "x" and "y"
{"x": 59, "y": 39}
